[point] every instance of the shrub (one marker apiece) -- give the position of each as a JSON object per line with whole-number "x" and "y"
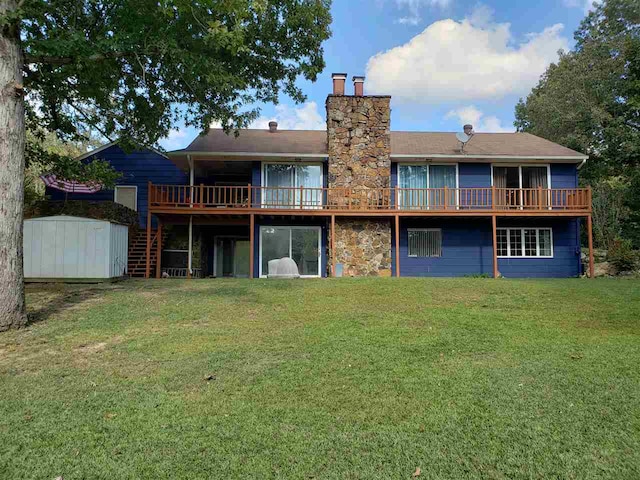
{"x": 621, "y": 255}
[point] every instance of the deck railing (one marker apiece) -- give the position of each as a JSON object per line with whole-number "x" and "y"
{"x": 364, "y": 199}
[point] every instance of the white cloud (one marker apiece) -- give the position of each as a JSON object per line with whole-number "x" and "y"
{"x": 481, "y": 123}
{"x": 178, "y": 138}
{"x": 586, "y": 5}
{"x": 413, "y": 8}
{"x": 464, "y": 60}
{"x": 305, "y": 117}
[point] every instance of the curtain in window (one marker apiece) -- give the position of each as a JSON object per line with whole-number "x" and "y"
{"x": 283, "y": 182}
{"x": 413, "y": 177}
{"x": 278, "y": 180}
{"x": 441, "y": 176}
{"x": 532, "y": 178}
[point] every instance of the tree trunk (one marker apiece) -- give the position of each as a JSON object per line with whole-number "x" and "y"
{"x": 12, "y": 139}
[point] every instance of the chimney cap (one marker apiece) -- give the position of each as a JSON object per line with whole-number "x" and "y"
{"x": 273, "y": 126}
{"x": 339, "y": 76}
{"x": 358, "y": 79}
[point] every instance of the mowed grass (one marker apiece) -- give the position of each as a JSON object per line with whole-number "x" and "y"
{"x": 343, "y": 378}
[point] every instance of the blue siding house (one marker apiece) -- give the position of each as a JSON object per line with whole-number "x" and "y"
{"x": 356, "y": 199}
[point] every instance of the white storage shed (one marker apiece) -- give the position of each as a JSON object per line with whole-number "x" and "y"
{"x": 74, "y": 249}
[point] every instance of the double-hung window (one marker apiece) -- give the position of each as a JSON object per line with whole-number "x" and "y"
{"x": 287, "y": 185}
{"x": 422, "y": 186}
{"x": 524, "y": 242}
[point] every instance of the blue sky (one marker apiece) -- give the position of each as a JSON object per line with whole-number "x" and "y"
{"x": 444, "y": 62}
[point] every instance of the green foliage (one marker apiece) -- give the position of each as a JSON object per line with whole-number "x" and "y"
{"x": 111, "y": 211}
{"x": 621, "y": 255}
{"x": 610, "y": 212}
{"x": 590, "y": 101}
{"x": 46, "y": 153}
{"x": 132, "y": 68}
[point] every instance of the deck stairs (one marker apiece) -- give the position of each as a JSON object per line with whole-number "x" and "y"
{"x": 138, "y": 252}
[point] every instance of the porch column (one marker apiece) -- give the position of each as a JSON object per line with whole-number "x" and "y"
{"x": 397, "y": 245}
{"x": 252, "y": 223}
{"x": 191, "y": 180}
{"x": 495, "y": 245}
{"x": 333, "y": 245}
{"x": 159, "y": 250}
{"x": 147, "y": 272}
{"x": 190, "y": 256}
{"x": 590, "y": 236}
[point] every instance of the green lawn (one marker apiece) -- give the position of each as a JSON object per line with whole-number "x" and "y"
{"x": 344, "y": 378}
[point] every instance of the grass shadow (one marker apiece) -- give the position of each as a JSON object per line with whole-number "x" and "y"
{"x": 49, "y": 300}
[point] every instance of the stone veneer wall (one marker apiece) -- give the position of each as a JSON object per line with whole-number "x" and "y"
{"x": 359, "y": 147}
{"x": 363, "y": 246}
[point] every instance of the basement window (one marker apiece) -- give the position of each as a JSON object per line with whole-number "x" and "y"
{"x": 425, "y": 242}
{"x": 524, "y": 242}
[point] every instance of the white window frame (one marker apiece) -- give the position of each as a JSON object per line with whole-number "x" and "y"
{"x": 424, "y": 230}
{"x": 428, "y": 165}
{"x": 522, "y": 249}
{"x": 115, "y": 193}
{"x": 291, "y": 229}
{"x": 520, "y": 165}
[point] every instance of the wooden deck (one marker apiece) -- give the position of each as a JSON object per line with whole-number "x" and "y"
{"x": 208, "y": 200}
{"x": 492, "y": 202}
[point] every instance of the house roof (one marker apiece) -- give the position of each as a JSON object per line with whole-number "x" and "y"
{"x": 313, "y": 143}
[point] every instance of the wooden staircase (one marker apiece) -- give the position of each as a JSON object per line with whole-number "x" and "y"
{"x": 138, "y": 253}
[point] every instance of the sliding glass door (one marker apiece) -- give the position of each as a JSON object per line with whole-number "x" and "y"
{"x": 413, "y": 181}
{"x": 282, "y": 184}
{"x": 519, "y": 185}
{"x": 301, "y": 243}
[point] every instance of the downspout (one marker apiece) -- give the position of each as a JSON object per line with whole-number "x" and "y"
{"x": 582, "y": 164}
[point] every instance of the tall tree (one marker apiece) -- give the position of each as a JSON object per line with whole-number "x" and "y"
{"x": 590, "y": 99}
{"x": 132, "y": 69}
{"x": 12, "y": 139}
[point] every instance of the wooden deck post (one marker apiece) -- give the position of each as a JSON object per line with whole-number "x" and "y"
{"x": 190, "y": 254}
{"x": 147, "y": 271}
{"x": 159, "y": 250}
{"x": 252, "y": 223}
{"x": 590, "y": 236}
{"x": 333, "y": 245}
{"x": 397, "y": 232}
{"x": 495, "y": 245}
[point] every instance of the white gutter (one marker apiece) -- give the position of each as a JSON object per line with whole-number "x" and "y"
{"x": 249, "y": 154}
{"x": 582, "y": 164}
{"x": 490, "y": 157}
{"x": 193, "y": 155}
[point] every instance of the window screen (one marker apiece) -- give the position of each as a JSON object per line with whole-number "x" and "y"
{"x": 126, "y": 196}
{"x": 425, "y": 242}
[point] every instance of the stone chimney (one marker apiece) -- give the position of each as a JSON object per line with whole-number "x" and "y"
{"x": 359, "y": 148}
{"x": 273, "y": 126}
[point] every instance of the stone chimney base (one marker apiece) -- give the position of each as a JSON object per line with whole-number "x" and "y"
{"x": 363, "y": 246}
